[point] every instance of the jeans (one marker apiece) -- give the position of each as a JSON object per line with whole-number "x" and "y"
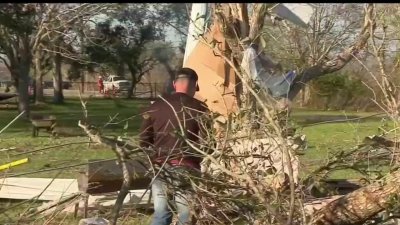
{"x": 162, "y": 211}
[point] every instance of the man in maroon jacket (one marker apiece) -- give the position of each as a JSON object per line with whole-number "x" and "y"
{"x": 168, "y": 124}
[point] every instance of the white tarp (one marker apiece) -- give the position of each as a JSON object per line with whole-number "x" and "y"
{"x": 259, "y": 73}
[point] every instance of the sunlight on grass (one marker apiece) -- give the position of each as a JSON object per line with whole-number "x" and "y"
{"x": 323, "y": 139}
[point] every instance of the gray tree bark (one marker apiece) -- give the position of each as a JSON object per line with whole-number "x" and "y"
{"x": 39, "y": 97}
{"x": 58, "y": 97}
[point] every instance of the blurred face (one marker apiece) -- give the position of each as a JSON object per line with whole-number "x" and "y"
{"x": 184, "y": 85}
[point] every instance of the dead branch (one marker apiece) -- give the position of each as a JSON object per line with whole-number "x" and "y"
{"x": 360, "y": 205}
{"x": 123, "y": 152}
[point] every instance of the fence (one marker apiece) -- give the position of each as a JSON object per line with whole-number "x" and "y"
{"x": 142, "y": 90}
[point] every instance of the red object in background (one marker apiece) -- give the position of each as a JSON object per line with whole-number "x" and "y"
{"x": 100, "y": 85}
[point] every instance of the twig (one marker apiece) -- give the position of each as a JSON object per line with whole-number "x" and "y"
{"x": 50, "y": 147}
{"x": 58, "y": 168}
{"x": 343, "y": 120}
{"x": 12, "y": 121}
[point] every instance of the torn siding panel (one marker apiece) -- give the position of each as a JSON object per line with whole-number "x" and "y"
{"x": 213, "y": 71}
{"x": 196, "y": 27}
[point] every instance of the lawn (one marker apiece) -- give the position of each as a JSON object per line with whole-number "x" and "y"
{"x": 18, "y": 135}
{"x": 323, "y": 139}
{"x": 328, "y": 138}
{"x": 75, "y": 150}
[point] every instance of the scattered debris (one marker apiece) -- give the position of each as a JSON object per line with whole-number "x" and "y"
{"x": 12, "y": 164}
{"x": 315, "y": 205}
{"x": 57, "y": 205}
{"x": 93, "y": 202}
{"x": 93, "y": 221}
{"x": 7, "y": 149}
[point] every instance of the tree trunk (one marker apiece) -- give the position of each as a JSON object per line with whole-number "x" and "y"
{"x": 121, "y": 70}
{"x": 306, "y": 96}
{"x": 134, "y": 81}
{"x": 58, "y": 97}
{"x": 39, "y": 97}
{"x": 23, "y": 85}
{"x": 235, "y": 24}
{"x": 360, "y": 205}
{"x": 83, "y": 82}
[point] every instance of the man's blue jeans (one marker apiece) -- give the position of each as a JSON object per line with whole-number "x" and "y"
{"x": 162, "y": 211}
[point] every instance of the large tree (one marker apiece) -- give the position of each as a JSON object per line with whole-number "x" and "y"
{"x": 17, "y": 35}
{"x": 237, "y": 23}
{"x": 127, "y": 38}
{"x": 122, "y": 41}
{"x": 61, "y": 35}
{"x": 45, "y": 14}
{"x": 331, "y": 28}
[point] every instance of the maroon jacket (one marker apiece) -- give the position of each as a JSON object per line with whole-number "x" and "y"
{"x": 160, "y": 129}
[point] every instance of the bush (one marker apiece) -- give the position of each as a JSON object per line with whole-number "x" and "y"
{"x": 338, "y": 91}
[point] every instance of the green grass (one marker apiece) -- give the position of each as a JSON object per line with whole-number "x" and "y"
{"x": 328, "y": 138}
{"x": 323, "y": 139}
{"x": 18, "y": 135}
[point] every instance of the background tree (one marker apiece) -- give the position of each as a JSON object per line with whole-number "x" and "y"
{"x": 122, "y": 41}
{"x": 332, "y": 28}
{"x": 236, "y": 24}
{"x": 17, "y": 34}
{"x": 132, "y": 37}
{"x": 64, "y": 32}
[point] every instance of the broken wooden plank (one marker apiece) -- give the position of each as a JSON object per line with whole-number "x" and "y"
{"x": 95, "y": 202}
{"x": 28, "y": 188}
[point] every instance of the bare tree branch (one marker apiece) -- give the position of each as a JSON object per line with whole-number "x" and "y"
{"x": 339, "y": 61}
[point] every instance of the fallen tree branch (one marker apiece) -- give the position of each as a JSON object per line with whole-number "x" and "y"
{"x": 122, "y": 150}
{"x": 360, "y": 205}
{"x": 55, "y": 204}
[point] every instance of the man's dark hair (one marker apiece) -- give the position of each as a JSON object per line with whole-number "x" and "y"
{"x": 186, "y": 73}
{"x": 189, "y": 74}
